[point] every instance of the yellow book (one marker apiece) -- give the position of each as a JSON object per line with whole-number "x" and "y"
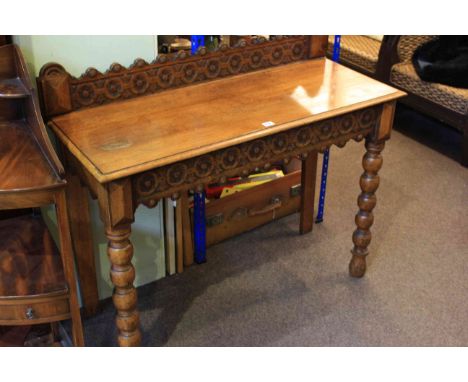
{"x": 252, "y": 181}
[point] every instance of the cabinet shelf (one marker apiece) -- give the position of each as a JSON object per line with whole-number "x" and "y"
{"x": 29, "y": 259}
{"x": 37, "y": 282}
{"x": 13, "y": 88}
{"x": 22, "y": 163}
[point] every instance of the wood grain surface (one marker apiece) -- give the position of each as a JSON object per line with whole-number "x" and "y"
{"x": 29, "y": 261}
{"x": 128, "y": 137}
{"x": 22, "y": 164}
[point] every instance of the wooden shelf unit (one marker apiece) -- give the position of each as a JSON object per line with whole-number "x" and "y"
{"x": 37, "y": 282}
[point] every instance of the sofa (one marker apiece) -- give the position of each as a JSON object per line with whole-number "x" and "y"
{"x": 390, "y": 61}
{"x": 364, "y": 53}
{"x": 446, "y": 103}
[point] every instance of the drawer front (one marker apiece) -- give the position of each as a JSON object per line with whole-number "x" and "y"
{"x": 251, "y": 208}
{"x": 34, "y": 312}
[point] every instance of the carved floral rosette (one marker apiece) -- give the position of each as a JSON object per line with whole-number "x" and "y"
{"x": 63, "y": 93}
{"x": 248, "y": 157}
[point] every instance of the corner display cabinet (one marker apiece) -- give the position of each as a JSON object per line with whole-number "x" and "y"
{"x": 37, "y": 282}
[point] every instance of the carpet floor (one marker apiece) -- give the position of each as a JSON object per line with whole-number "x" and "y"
{"x": 273, "y": 287}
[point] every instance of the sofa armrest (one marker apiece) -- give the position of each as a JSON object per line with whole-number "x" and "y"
{"x": 388, "y": 56}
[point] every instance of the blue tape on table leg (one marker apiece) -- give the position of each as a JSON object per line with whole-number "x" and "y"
{"x": 336, "y": 48}
{"x": 199, "y": 227}
{"x": 323, "y": 186}
{"x": 326, "y": 154}
{"x": 197, "y": 41}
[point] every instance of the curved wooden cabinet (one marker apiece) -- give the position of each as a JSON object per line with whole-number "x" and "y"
{"x": 37, "y": 282}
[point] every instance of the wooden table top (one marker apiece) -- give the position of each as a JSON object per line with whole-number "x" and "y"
{"x": 124, "y": 138}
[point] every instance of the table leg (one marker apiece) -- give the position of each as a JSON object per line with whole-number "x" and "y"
{"x": 308, "y": 178}
{"x": 80, "y": 224}
{"x": 369, "y": 182}
{"x": 120, "y": 252}
{"x": 69, "y": 267}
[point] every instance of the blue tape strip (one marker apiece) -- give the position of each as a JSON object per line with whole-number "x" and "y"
{"x": 326, "y": 154}
{"x": 336, "y": 48}
{"x": 197, "y": 41}
{"x": 199, "y": 224}
{"x": 323, "y": 187}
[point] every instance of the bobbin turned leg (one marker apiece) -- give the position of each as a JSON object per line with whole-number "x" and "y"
{"x": 369, "y": 182}
{"x": 120, "y": 252}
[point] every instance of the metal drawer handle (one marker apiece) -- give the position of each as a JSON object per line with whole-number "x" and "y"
{"x": 275, "y": 203}
{"x": 30, "y": 313}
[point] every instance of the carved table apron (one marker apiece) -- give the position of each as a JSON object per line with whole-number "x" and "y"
{"x": 311, "y": 106}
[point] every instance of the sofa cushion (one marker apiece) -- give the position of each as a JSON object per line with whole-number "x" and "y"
{"x": 405, "y": 77}
{"x": 360, "y": 51}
